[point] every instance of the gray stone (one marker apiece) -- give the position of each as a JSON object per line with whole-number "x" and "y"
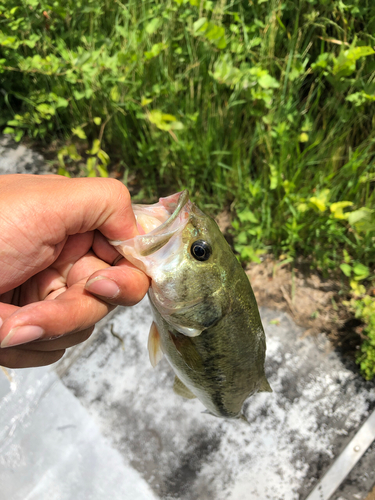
{"x": 17, "y": 159}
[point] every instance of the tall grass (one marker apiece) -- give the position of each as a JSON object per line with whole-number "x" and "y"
{"x": 267, "y": 106}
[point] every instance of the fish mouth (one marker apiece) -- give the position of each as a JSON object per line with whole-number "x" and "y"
{"x": 157, "y": 225}
{"x": 162, "y": 217}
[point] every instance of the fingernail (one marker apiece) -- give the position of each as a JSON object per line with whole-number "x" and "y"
{"x": 21, "y": 335}
{"x": 103, "y": 286}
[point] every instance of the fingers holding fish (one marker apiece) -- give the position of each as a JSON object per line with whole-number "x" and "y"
{"x": 122, "y": 284}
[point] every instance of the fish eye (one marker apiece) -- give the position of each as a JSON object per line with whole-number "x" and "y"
{"x": 201, "y": 250}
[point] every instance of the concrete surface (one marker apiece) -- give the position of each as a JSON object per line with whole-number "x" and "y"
{"x": 17, "y": 159}
{"x": 51, "y": 448}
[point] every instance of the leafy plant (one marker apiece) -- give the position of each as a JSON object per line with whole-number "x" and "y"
{"x": 364, "y": 309}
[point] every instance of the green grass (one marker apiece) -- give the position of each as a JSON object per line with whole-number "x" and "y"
{"x": 264, "y": 106}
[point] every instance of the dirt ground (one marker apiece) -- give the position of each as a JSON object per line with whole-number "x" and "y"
{"x": 313, "y": 302}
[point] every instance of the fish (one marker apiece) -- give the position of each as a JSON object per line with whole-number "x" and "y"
{"x": 206, "y": 319}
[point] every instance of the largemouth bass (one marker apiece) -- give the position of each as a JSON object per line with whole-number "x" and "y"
{"x": 206, "y": 320}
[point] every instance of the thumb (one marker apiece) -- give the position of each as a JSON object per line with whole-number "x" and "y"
{"x": 103, "y": 204}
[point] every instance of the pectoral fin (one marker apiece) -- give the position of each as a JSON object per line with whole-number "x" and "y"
{"x": 187, "y": 350}
{"x": 264, "y": 386}
{"x": 181, "y": 389}
{"x": 154, "y": 345}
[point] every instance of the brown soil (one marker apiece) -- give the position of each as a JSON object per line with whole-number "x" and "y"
{"x": 371, "y": 495}
{"x": 313, "y": 302}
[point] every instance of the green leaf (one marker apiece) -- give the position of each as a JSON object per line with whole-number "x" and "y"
{"x": 164, "y": 121}
{"x": 274, "y": 177}
{"x": 95, "y": 147}
{"x": 320, "y": 201}
{"x": 344, "y": 65}
{"x": 97, "y": 120}
{"x": 247, "y": 216}
{"x": 63, "y": 171}
{"x": 346, "y": 269}
{"x": 156, "y": 49}
{"x": 61, "y": 102}
{"x": 357, "y": 289}
{"x": 102, "y": 171}
{"x": 212, "y": 32}
{"x": 79, "y": 132}
{"x": 45, "y": 109}
{"x": 357, "y": 215}
{"x": 303, "y": 137}
{"x": 153, "y": 25}
{"x": 302, "y": 207}
{"x": 347, "y": 257}
{"x": 8, "y": 130}
{"x": 103, "y": 157}
{"x": 78, "y": 95}
{"x": 248, "y": 253}
{"x": 337, "y": 209}
{"x": 358, "y": 52}
{"x": 268, "y": 82}
{"x": 145, "y": 101}
{"x": 361, "y": 271}
{"x": 90, "y": 166}
{"x": 177, "y": 125}
{"x": 200, "y": 25}
{"x": 115, "y": 94}
{"x": 18, "y": 135}
{"x": 32, "y": 41}
{"x": 322, "y": 61}
{"x": 359, "y": 98}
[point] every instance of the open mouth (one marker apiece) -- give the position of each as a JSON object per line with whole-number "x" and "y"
{"x": 164, "y": 215}
{"x": 157, "y": 224}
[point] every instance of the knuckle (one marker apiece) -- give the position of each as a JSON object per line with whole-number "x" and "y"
{"x": 119, "y": 188}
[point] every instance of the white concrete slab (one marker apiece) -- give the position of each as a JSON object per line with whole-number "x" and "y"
{"x": 51, "y": 448}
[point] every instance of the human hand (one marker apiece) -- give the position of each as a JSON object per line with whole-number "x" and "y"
{"x": 59, "y": 275}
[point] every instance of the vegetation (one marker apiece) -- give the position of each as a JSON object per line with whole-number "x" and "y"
{"x": 266, "y": 106}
